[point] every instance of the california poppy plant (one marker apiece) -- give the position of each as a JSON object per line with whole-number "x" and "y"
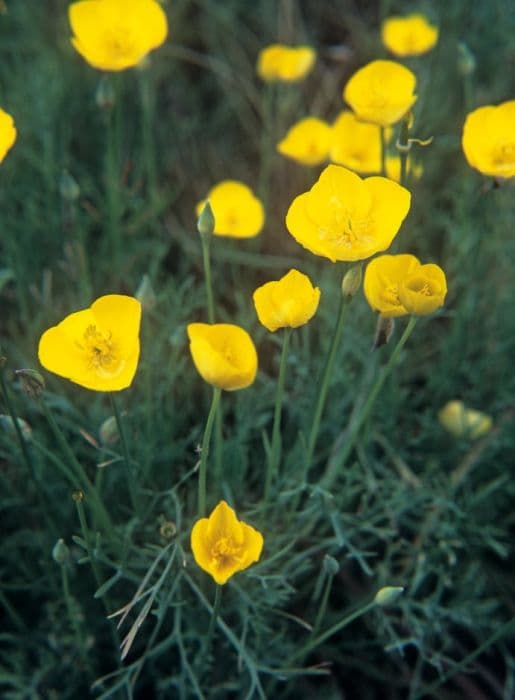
{"x": 489, "y": 140}
{"x": 307, "y": 142}
{"x": 288, "y": 303}
{"x": 381, "y": 92}
{"x": 289, "y": 64}
{"x": 343, "y": 217}
{"x": 98, "y": 347}
{"x": 238, "y": 212}
{"x": 113, "y": 35}
{"x": 223, "y": 545}
{"x": 412, "y": 35}
{"x": 356, "y": 144}
{"x": 7, "y": 133}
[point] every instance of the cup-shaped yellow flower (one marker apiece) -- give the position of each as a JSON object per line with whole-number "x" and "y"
{"x": 343, "y": 217}
{"x": 113, "y": 35}
{"x": 461, "y": 421}
{"x": 381, "y": 92}
{"x": 383, "y": 275}
{"x": 356, "y": 144}
{"x": 412, "y": 35}
{"x": 238, "y": 212}
{"x": 224, "y": 354}
{"x": 98, "y": 347}
{"x": 288, "y": 64}
{"x": 489, "y": 139}
{"x": 7, "y": 133}
{"x": 307, "y": 142}
{"x": 423, "y": 290}
{"x": 223, "y": 545}
{"x": 288, "y": 303}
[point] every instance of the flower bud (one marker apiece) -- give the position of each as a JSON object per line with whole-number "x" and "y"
{"x": 206, "y": 221}
{"x": 32, "y": 382}
{"x": 145, "y": 294}
{"x": 351, "y": 281}
{"x": 68, "y": 187}
{"x": 104, "y": 96}
{"x": 331, "y": 566}
{"x": 384, "y": 330}
{"x": 388, "y": 595}
{"x": 108, "y": 431}
{"x": 167, "y": 529}
{"x": 7, "y": 424}
{"x": 60, "y": 552}
{"x": 463, "y": 422}
{"x": 466, "y": 60}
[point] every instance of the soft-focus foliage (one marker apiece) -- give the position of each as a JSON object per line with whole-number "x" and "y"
{"x": 411, "y": 35}
{"x": 288, "y": 303}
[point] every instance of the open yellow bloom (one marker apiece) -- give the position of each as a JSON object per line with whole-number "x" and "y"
{"x": 356, "y": 144}
{"x": 98, "y": 347}
{"x": 383, "y": 275}
{"x": 464, "y": 422}
{"x": 223, "y": 545}
{"x": 285, "y": 63}
{"x": 307, "y": 142}
{"x": 289, "y": 302}
{"x": 7, "y": 133}
{"x": 408, "y": 36}
{"x": 113, "y": 35}
{"x": 423, "y": 290}
{"x": 343, "y": 217}
{"x": 381, "y": 92}
{"x": 489, "y": 140}
{"x": 224, "y": 354}
{"x": 238, "y": 212}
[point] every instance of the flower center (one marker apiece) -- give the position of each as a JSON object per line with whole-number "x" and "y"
{"x": 421, "y": 287}
{"x": 391, "y": 295}
{"x": 118, "y": 43}
{"x": 99, "y": 348}
{"x": 225, "y": 549}
{"x": 504, "y": 155}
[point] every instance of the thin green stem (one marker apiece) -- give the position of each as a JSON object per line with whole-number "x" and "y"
{"x": 147, "y": 97}
{"x": 69, "y": 607}
{"x": 404, "y": 148}
{"x": 202, "y": 476}
{"x": 214, "y": 616}
{"x": 77, "y": 497}
{"x": 275, "y": 449}
{"x": 14, "y": 418}
{"x": 323, "y": 605}
{"x": 382, "y": 131}
{"x": 337, "y": 462}
{"x": 206, "y": 246}
{"x": 112, "y": 172}
{"x": 131, "y": 476}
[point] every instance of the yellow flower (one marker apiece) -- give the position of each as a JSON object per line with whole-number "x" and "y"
{"x": 289, "y": 302}
{"x": 356, "y": 144}
{"x": 383, "y": 276}
{"x": 408, "y": 36}
{"x": 238, "y": 212}
{"x": 224, "y": 354}
{"x": 113, "y": 35}
{"x": 343, "y": 217}
{"x": 98, "y": 347}
{"x": 7, "y": 133}
{"x": 464, "y": 422}
{"x": 307, "y": 142}
{"x": 393, "y": 168}
{"x": 489, "y": 140}
{"x": 423, "y": 290}
{"x": 285, "y": 63}
{"x": 223, "y": 545}
{"x": 381, "y": 92}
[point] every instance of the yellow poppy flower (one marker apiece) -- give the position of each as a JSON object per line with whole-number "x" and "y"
{"x": 285, "y": 63}
{"x": 461, "y": 421}
{"x": 423, "y": 290}
{"x": 356, "y": 144}
{"x": 113, "y": 35}
{"x": 238, "y": 212}
{"x": 343, "y": 217}
{"x": 381, "y": 283}
{"x": 408, "y": 36}
{"x": 223, "y": 545}
{"x": 7, "y": 133}
{"x": 489, "y": 140}
{"x": 393, "y": 168}
{"x": 289, "y": 302}
{"x": 381, "y": 92}
{"x": 307, "y": 142}
{"x": 98, "y": 347}
{"x": 223, "y": 354}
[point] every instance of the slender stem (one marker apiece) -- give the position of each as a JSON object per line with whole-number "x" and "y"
{"x": 382, "y": 132}
{"x": 69, "y": 607}
{"x": 147, "y": 97}
{"x": 219, "y": 441}
{"x": 338, "y": 461}
{"x": 19, "y": 434}
{"x": 214, "y": 616}
{"x": 206, "y": 240}
{"x": 323, "y": 605}
{"x": 77, "y": 497}
{"x": 404, "y": 149}
{"x": 205, "y": 452}
{"x": 275, "y": 449}
{"x": 324, "y": 384}
{"x": 112, "y": 172}
{"x": 131, "y": 476}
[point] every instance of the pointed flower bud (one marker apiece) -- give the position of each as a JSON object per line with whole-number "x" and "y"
{"x": 60, "y": 552}
{"x": 388, "y": 595}
{"x": 351, "y": 281}
{"x": 206, "y": 220}
{"x": 32, "y": 382}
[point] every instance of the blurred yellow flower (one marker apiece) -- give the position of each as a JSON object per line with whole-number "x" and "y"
{"x": 223, "y": 545}
{"x": 356, "y": 144}
{"x": 285, "y": 63}
{"x": 383, "y": 275}
{"x": 423, "y": 290}
{"x": 238, "y": 212}
{"x": 381, "y": 92}
{"x": 343, "y": 217}
{"x": 289, "y": 302}
{"x": 223, "y": 354}
{"x": 393, "y": 168}
{"x": 461, "y": 421}
{"x": 307, "y": 142}
{"x": 7, "y": 133}
{"x": 408, "y": 36}
{"x": 113, "y": 35}
{"x": 98, "y": 347}
{"x": 489, "y": 139}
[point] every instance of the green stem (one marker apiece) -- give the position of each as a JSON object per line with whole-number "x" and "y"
{"x": 147, "y": 97}
{"x": 214, "y": 616}
{"x": 206, "y": 241}
{"x": 113, "y": 175}
{"x": 323, "y": 605}
{"x": 382, "y": 131}
{"x": 324, "y": 384}
{"x": 19, "y": 434}
{"x": 337, "y": 462}
{"x": 404, "y": 148}
{"x": 275, "y": 449}
{"x": 131, "y": 476}
{"x": 77, "y": 497}
{"x": 69, "y": 607}
{"x": 205, "y": 452}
